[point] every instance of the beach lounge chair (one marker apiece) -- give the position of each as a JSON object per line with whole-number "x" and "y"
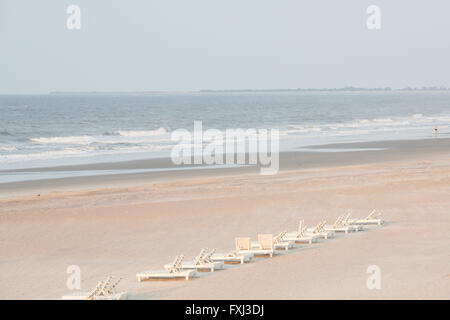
{"x": 278, "y": 242}
{"x": 104, "y": 290}
{"x": 319, "y": 230}
{"x": 233, "y": 257}
{"x": 265, "y": 245}
{"x": 340, "y": 226}
{"x": 345, "y": 222}
{"x": 373, "y": 218}
{"x": 299, "y": 235}
{"x": 202, "y": 262}
{"x": 172, "y": 271}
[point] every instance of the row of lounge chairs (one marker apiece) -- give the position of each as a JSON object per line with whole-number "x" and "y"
{"x": 245, "y": 251}
{"x": 267, "y": 244}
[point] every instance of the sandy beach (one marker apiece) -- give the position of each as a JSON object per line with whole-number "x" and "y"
{"x": 135, "y": 134}
{"x": 120, "y": 225}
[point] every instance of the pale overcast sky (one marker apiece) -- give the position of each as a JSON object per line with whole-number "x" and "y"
{"x": 221, "y": 44}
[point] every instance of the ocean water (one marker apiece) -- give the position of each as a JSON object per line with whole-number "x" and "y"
{"x": 48, "y": 130}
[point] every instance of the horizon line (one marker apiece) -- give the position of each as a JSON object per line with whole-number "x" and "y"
{"x": 337, "y": 89}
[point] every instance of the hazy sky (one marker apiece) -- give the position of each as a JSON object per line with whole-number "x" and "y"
{"x": 221, "y": 44}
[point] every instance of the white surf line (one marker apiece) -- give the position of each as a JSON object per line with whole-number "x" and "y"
{"x": 342, "y": 150}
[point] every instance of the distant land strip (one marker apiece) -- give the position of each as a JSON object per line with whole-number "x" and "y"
{"x": 343, "y": 89}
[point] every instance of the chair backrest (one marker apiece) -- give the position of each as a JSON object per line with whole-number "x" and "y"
{"x": 279, "y": 238}
{"x": 198, "y": 259}
{"x": 113, "y": 286}
{"x": 176, "y": 265}
{"x": 317, "y": 228}
{"x": 377, "y": 214}
{"x": 338, "y": 221}
{"x": 242, "y": 243}
{"x": 300, "y": 228}
{"x": 103, "y": 288}
{"x": 94, "y": 292}
{"x": 207, "y": 257}
{"x": 300, "y": 234}
{"x": 371, "y": 215}
{"x": 344, "y": 221}
{"x": 109, "y": 287}
{"x": 265, "y": 241}
{"x": 323, "y": 225}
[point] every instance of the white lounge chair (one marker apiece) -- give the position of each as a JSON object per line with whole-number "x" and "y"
{"x": 345, "y": 222}
{"x": 278, "y": 242}
{"x": 202, "y": 262}
{"x": 373, "y": 218}
{"x": 265, "y": 245}
{"x": 319, "y": 230}
{"x": 104, "y": 290}
{"x": 299, "y": 235}
{"x": 173, "y": 272}
{"x": 340, "y": 226}
{"x": 233, "y": 257}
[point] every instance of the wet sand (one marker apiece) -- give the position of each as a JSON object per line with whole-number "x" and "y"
{"x": 343, "y": 154}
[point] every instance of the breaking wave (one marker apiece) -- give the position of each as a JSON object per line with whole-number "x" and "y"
{"x": 140, "y": 133}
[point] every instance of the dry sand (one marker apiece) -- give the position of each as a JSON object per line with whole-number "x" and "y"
{"x": 125, "y": 230}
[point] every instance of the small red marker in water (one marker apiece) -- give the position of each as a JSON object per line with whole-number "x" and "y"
{"x": 435, "y": 130}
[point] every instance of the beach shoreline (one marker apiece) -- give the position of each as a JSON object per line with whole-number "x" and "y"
{"x": 122, "y": 230}
{"x": 163, "y": 170}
